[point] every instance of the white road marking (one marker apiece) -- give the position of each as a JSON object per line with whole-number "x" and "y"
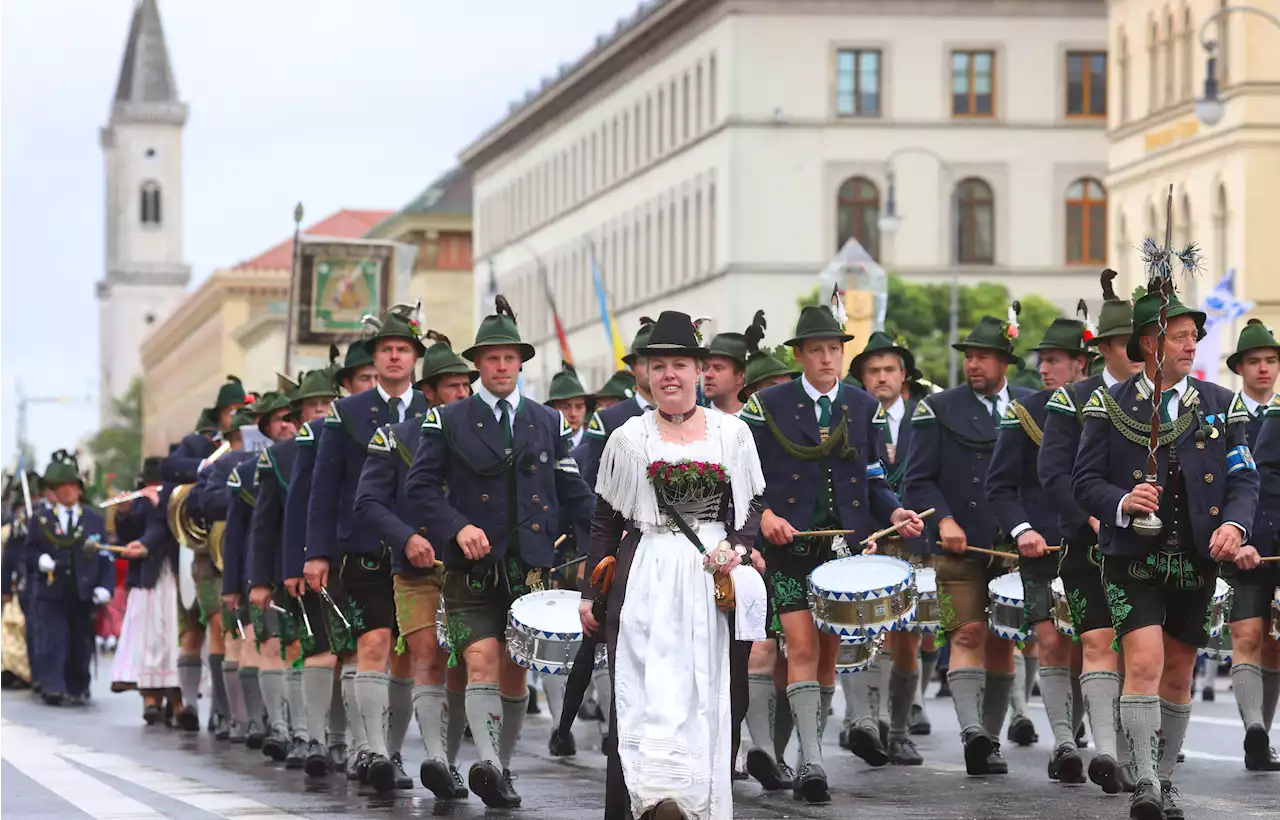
{"x": 55, "y": 754}
{"x": 1204, "y": 719}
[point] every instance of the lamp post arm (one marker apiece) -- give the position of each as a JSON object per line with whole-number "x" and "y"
{"x": 1210, "y": 45}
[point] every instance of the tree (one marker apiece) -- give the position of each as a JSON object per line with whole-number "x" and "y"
{"x": 117, "y": 450}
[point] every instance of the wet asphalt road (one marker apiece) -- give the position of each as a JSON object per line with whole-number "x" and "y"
{"x": 101, "y": 762}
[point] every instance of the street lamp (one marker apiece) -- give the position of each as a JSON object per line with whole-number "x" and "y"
{"x": 890, "y": 222}
{"x": 1209, "y": 108}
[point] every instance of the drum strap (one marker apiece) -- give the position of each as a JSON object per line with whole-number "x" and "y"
{"x": 1028, "y": 423}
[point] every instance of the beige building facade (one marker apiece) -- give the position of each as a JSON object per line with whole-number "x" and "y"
{"x": 1225, "y": 176}
{"x": 712, "y": 155}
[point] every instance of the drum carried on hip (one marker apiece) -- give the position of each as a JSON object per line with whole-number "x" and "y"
{"x": 1006, "y": 615}
{"x": 855, "y": 654}
{"x": 928, "y": 612}
{"x": 544, "y": 631}
{"x": 1219, "y": 607}
{"x": 1062, "y": 608}
{"x": 863, "y": 595}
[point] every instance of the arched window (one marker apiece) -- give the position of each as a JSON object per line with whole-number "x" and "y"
{"x": 977, "y": 222}
{"x": 1153, "y": 67}
{"x": 149, "y": 202}
{"x": 1086, "y": 223}
{"x": 858, "y": 214}
{"x": 1220, "y": 217}
{"x": 1170, "y": 70}
{"x": 1123, "y": 65}
{"x": 1187, "y": 91}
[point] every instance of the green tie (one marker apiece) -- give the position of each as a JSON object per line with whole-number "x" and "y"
{"x": 1167, "y": 398}
{"x": 824, "y": 411}
{"x": 995, "y": 408}
{"x": 393, "y": 404}
{"x": 504, "y": 420}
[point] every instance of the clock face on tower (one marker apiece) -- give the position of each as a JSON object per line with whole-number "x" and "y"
{"x": 340, "y": 284}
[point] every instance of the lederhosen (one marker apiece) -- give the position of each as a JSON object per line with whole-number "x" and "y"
{"x": 1037, "y": 574}
{"x": 1254, "y": 591}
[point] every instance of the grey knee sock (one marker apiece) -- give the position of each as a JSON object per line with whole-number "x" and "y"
{"x": 882, "y": 707}
{"x": 1055, "y": 687}
{"x": 428, "y": 708}
{"x": 1246, "y": 681}
{"x": 806, "y": 699}
{"x": 1270, "y": 694}
{"x": 297, "y": 706}
{"x": 513, "y": 712}
{"x": 336, "y": 733}
{"x": 456, "y": 724}
{"x": 1140, "y": 719}
{"x": 928, "y": 663}
{"x": 254, "y": 704}
{"x": 220, "y": 706}
{"x": 484, "y": 713}
{"x": 1018, "y": 692}
{"x": 276, "y": 698}
{"x": 827, "y": 694}
{"x": 553, "y": 689}
{"x": 1174, "y": 720}
{"x": 317, "y": 695}
{"x": 1029, "y": 682}
{"x": 359, "y": 740}
{"x": 995, "y": 701}
{"x": 373, "y": 698}
{"x": 854, "y": 698}
{"x": 783, "y": 723}
{"x": 189, "y": 669}
{"x": 966, "y": 692}
{"x": 903, "y": 687}
{"x": 1079, "y": 706}
{"x": 762, "y": 702}
{"x": 235, "y": 693}
{"x": 603, "y": 680}
{"x": 400, "y": 704}
{"x": 1101, "y": 689}
{"x": 862, "y": 697}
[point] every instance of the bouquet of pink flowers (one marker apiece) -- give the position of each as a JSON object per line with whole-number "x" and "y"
{"x": 687, "y": 480}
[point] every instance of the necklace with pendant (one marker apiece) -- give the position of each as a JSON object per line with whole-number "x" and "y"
{"x": 676, "y": 418}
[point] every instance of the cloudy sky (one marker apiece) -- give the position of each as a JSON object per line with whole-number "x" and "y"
{"x": 331, "y": 102}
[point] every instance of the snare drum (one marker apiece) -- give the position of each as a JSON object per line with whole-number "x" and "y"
{"x": 862, "y": 595}
{"x": 928, "y": 613}
{"x": 1005, "y": 615}
{"x": 544, "y": 631}
{"x": 1219, "y": 607}
{"x": 1218, "y": 650}
{"x": 1062, "y": 608}
{"x": 855, "y": 654}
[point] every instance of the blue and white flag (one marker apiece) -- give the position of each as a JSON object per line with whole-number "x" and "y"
{"x": 1222, "y": 309}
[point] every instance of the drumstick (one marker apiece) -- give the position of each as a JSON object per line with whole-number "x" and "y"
{"x": 1270, "y": 558}
{"x": 873, "y": 536}
{"x": 983, "y": 551}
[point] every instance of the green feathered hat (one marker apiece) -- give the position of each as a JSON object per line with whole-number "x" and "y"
{"x": 817, "y": 322}
{"x": 1253, "y": 336}
{"x": 1064, "y": 334}
{"x": 499, "y": 330}
{"x": 621, "y": 386}
{"x": 761, "y": 365}
{"x": 315, "y": 384}
{"x": 62, "y": 469}
{"x": 1146, "y": 311}
{"x": 1160, "y": 262}
{"x": 882, "y": 342}
{"x": 358, "y": 355}
{"x": 567, "y": 385}
{"x": 442, "y": 361}
{"x": 399, "y": 323}
{"x": 1116, "y": 316}
{"x": 232, "y": 392}
{"x": 641, "y": 340}
{"x": 729, "y": 345}
{"x": 995, "y": 334}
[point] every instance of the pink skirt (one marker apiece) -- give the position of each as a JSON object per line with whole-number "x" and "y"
{"x": 147, "y": 654}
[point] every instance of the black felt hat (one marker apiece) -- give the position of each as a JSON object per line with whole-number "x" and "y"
{"x": 674, "y": 334}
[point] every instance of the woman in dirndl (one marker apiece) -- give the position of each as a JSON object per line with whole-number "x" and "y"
{"x": 668, "y": 637}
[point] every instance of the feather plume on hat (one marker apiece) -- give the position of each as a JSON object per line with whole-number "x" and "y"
{"x": 755, "y": 333}
{"x": 1011, "y": 328}
{"x": 1108, "y": 285}
{"x": 1090, "y": 328}
{"x": 502, "y": 307}
{"x": 437, "y": 336}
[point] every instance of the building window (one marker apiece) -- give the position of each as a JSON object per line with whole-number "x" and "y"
{"x": 1087, "y": 84}
{"x": 973, "y": 83}
{"x": 1170, "y": 71}
{"x": 1220, "y": 231}
{"x": 453, "y": 252}
{"x": 712, "y": 91}
{"x": 698, "y": 226}
{"x": 149, "y": 202}
{"x": 648, "y": 129}
{"x": 1187, "y": 57}
{"x": 977, "y": 222}
{"x": 672, "y": 272}
{"x": 857, "y": 83}
{"x": 662, "y": 108}
{"x": 858, "y": 215}
{"x": 671, "y": 97}
{"x": 1153, "y": 69}
{"x": 684, "y": 107}
{"x": 1224, "y": 53}
{"x": 711, "y": 227}
{"x": 697, "y": 85}
{"x": 684, "y": 238}
{"x": 659, "y": 252}
{"x": 1123, "y": 62}
{"x": 1086, "y": 223}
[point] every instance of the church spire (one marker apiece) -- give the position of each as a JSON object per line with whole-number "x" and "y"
{"x": 146, "y": 75}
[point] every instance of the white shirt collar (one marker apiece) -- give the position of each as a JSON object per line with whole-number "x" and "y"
{"x": 1180, "y": 388}
{"x": 576, "y": 438}
{"x": 405, "y": 398}
{"x": 897, "y": 410}
{"x": 641, "y": 401}
{"x": 492, "y": 400}
{"x": 1253, "y": 405}
{"x": 61, "y": 510}
{"x": 813, "y": 392}
{"x": 1107, "y": 379}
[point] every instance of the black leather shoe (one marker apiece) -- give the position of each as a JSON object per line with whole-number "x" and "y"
{"x": 665, "y": 810}
{"x": 846, "y": 739}
{"x": 810, "y": 784}
{"x": 562, "y": 745}
{"x": 977, "y": 750}
{"x": 532, "y": 707}
{"x": 338, "y": 756}
{"x": 317, "y": 762}
{"x": 254, "y": 735}
{"x": 1105, "y": 772}
{"x": 488, "y": 782}
{"x": 189, "y": 719}
{"x": 403, "y": 780}
{"x": 1172, "y": 811}
{"x": 382, "y": 774}
{"x": 788, "y": 775}
{"x": 996, "y": 764}
{"x": 297, "y": 755}
{"x": 221, "y": 727}
{"x": 902, "y": 752}
{"x": 362, "y": 766}
{"x": 919, "y": 725}
{"x": 1208, "y": 695}
{"x": 1258, "y": 754}
{"x": 944, "y": 691}
{"x": 1022, "y": 731}
{"x": 436, "y": 778}
{"x": 1066, "y": 765}
{"x": 460, "y": 791}
{"x": 276, "y": 746}
{"x": 1082, "y": 742}
{"x": 865, "y": 743}
{"x": 761, "y": 766}
{"x": 1146, "y": 803}
{"x": 151, "y": 715}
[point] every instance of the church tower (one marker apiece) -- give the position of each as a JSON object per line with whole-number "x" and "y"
{"x": 145, "y": 276}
